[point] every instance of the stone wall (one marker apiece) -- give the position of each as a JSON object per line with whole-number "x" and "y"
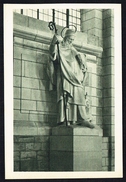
{"x": 31, "y": 153}
{"x": 32, "y": 99}
{"x": 91, "y": 20}
{"x": 34, "y": 106}
{"x": 108, "y": 154}
{"x": 99, "y": 26}
{"x": 108, "y": 81}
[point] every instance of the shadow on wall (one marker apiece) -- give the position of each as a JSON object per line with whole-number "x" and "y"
{"x": 46, "y": 100}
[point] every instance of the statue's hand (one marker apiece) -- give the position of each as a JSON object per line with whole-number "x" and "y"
{"x": 54, "y": 39}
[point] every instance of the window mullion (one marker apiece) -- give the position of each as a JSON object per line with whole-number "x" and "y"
{"x": 53, "y": 12}
{"x": 37, "y": 13}
{"x": 67, "y": 18}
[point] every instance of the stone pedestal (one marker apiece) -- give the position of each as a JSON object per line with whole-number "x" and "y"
{"x": 75, "y": 149}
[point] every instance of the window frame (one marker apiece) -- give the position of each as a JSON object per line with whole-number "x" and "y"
{"x": 67, "y": 20}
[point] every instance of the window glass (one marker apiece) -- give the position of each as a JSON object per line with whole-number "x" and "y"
{"x": 60, "y": 16}
{"x": 25, "y": 11}
{"x": 17, "y": 10}
{"x": 41, "y": 16}
{"x": 34, "y": 13}
{"x": 30, "y": 13}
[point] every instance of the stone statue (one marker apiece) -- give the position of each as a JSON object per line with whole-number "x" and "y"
{"x": 67, "y": 70}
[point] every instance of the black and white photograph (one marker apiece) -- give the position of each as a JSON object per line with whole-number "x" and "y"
{"x": 63, "y": 107}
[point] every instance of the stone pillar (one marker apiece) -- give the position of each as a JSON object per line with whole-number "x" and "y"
{"x": 108, "y": 82}
{"x": 108, "y": 68}
{"x": 75, "y": 149}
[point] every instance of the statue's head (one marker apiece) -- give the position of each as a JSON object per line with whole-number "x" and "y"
{"x": 69, "y": 36}
{"x": 70, "y": 32}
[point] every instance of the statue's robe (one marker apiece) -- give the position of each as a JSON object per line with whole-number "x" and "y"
{"x": 74, "y": 75}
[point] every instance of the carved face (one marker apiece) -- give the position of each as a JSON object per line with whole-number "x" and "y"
{"x": 69, "y": 40}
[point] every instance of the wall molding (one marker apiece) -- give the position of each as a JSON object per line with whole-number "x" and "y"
{"x": 45, "y": 38}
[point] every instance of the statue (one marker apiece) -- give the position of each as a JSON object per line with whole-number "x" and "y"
{"x": 67, "y": 70}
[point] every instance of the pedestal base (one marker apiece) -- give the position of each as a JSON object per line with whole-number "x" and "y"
{"x": 75, "y": 149}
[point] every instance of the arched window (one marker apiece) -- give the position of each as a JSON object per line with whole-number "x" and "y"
{"x": 62, "y": 17}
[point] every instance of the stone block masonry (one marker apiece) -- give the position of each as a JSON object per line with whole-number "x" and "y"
{"x": 108, "y": 84}
{"x": 34, "y": 150}
{"x": 108, "y": 154}
{"x": 31, "y": 153}
{"x": 92, "y": 24}
{"x": 99, "y": 24}
{"x": 34, "y": 105}
{"x": 31, "y": 90}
